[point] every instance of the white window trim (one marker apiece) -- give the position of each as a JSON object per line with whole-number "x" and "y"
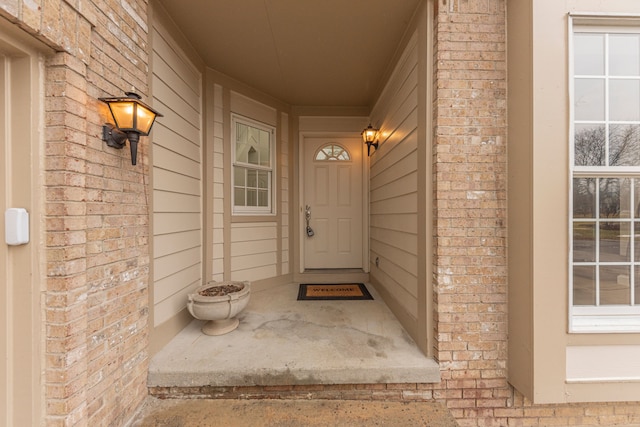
{"x": 254, "y": 210}
{"x": 604, "y": 318}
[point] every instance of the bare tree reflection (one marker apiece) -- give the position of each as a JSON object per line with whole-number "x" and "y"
{"x": 591, "y": 147}
{"x": 591, "y": 150}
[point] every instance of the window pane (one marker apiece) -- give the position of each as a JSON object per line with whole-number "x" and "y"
{"x": 624, "y": 145}
{"x": 263, "y": 179}
{"x": 252, "y": 156}
{"x": 610, "y": 197}
{"x": 584, "y": 242}
{"x": 590, "y": 145}
{"x": 263, "y": 198}
{"x": 584, "y": 197}
{"x": 589, "y": 99}
{"x": 637, "y": 286}
{"x": 584, "y": 285}
{"x": 253, "y": 145}
{"x": 252, "y": 197}
{"x": 238, "y": 197}
{"x": 589, "y": 54}
{"x": 624, "y": 54}
{"x": 614, "y": 285}
{"x": 343, "y": 155}
{"x": 615, "y": 198}
{"x": 241, "y": 143}
{"x": 263, "y": 149}
{"x": 614, "y": 241}
{"x": 252, "y": 178}
{"x": 636, "y": 249}
{"x": 636, "y": 198}
{"x": 238, "y": 176}
{"x": 624, "y": 100}
{"x": 625, "y": 198}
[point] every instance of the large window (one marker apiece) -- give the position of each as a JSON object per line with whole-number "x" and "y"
{"x": 253, "y": 159}
{"x": 605, "y": 224}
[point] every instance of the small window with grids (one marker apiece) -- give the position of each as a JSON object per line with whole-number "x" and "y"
{"x": 253, "y": 154}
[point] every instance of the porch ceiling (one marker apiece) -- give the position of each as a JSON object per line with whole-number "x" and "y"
{"x": 303, "y": 52}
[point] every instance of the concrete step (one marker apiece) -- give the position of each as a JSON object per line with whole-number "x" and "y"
{"x": 289, "y": 413}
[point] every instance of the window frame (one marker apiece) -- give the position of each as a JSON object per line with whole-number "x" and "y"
{"x": 268, "y": 210}
{"x": 597, "y": 318}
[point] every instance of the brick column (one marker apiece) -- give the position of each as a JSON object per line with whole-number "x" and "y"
{"x": 470, "y": 204}
{"x": 97, "y": 217}
{"x": 66, "y": 298}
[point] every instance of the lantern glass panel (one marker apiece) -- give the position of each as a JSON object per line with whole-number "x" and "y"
{"x": 369, "y": 135}
{"x": 145, "y": 118}
{"x": 122, "y": 114}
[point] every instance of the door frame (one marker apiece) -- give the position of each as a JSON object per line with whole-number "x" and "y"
{"x": 299, "y": 232}
{"x": 24, "y": 144}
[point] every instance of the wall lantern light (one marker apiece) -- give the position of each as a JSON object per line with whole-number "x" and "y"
{"x": 370, "y": 137}
{"x": 133, "y": 119}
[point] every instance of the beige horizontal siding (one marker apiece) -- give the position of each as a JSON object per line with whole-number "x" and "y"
{"x": 284, "y": 195}
{"x": 177, "y": 175}
{"x": 166, "y": 309}
{"x": 217, "y": 264}
{"x": 255, "y": 273}
{"x": 174, "y": 182}
{"x": 166, "y": 201}
{"x": 177, "y": 64}
{"x": 181, "y": 261}
{"x": 165, "y": 288}
{"x": 167, "y": 160}
{"x": 174, "y": 222}
{"x": 166, "y": 244}
{"x": 393, "y": 198}
{"x": 180, "y": 108}
{"x": 176, "y": 142}
{"x": 254, "y": 249}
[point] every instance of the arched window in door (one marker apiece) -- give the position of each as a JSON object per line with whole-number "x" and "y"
{"x": 332, "y": 152}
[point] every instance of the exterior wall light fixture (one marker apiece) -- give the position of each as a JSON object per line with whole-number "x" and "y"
{"x": 370, "y": 137}
{"x": 133, "y": 118}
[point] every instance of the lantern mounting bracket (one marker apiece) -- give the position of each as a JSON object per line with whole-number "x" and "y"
{"x": 113, "y": 136}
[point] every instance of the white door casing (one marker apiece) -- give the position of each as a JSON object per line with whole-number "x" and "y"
{"x": 334, "y": 194}
{"x": 21, "y": 124}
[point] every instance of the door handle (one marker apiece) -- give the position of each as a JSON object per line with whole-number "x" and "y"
{"x": 307, "y": 215}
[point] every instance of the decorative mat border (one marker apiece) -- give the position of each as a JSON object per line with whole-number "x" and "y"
{"x": 302, "y": 293}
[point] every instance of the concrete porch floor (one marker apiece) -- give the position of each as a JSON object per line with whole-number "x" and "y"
{"x": 282, "y": 341}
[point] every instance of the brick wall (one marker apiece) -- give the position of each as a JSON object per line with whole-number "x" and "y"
{"x": 470, "y": 165}
{"x": 96, "y": 239}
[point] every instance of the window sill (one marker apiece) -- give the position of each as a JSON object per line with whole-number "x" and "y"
{"x": 253, "y": 218}
{"x": 621, "y": 320}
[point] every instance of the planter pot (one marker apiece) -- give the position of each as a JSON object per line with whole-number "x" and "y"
{"x": 219, "y": 303}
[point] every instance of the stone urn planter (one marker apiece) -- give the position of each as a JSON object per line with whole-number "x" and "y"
{"x": 219, "y": 303}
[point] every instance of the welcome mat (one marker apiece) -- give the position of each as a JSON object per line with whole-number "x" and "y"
{"x": 339, "y": 291}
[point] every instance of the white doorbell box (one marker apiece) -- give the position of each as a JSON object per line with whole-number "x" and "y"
{"x": 16, "y": 226}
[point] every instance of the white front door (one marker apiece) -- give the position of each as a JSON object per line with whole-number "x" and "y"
{"x": 333, "y": 202}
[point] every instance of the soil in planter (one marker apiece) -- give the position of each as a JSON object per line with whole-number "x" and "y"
{"x": 221, "y": 290}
